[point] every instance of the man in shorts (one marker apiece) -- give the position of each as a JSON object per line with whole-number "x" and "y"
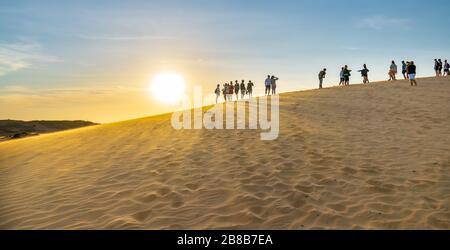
{"x": 412, "y": 73}
{"x": 446, "y": 68}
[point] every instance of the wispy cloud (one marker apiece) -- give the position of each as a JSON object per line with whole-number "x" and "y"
{"x": 379, "y": 22}
{"x": 20, "y": 55}
{"x": 27, "y": 91}
{"x": 122, "y": 37}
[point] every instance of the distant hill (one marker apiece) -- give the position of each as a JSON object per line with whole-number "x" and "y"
{"x": 13, "y": 129}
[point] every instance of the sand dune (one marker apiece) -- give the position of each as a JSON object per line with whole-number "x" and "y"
{"x": 364, "y": 156}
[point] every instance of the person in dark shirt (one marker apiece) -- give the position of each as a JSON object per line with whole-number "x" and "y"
{"x": 347, "y": 74}
{"x": 436, "y": 67}
{"x": 365, "y": 74}
{"x": 440, "y": 67}
{"x": 250, "y": 88}
{"x": 446, "y": 68}
{"x": 412, "y": 73}
{"x": 404, "y": 65}
{"x": 322, "y": 74}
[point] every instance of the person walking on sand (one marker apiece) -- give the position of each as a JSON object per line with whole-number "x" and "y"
{"x": 267, "y": 84}
{"x": 392, "y": 71}
{"x": 243, "y": 90}
{"x": 322, "y": 74}
{"x": 440, "y": 67}
{"x": 230, "y": 91}
{"x": 236, "y": 89}
{"x": 217, "y": 92}
{"x": 250, "y": 89}
{"x": 347, "y": 74}
{"x": 365, "y": 74}
{"x": 404, "y": 65}
{"x": 341, "y": 75}
{"x": 274, "y": 80}
{"x": 412, "y": 73}
{"x": 446, "y": 68}
{"x": 225, "y": 91}
{"x": 436, "y": 67}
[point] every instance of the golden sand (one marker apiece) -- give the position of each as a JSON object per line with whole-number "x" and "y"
{"x": 366, "y": 156}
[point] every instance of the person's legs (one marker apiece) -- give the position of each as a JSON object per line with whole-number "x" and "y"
{"x": 320, "y": 83}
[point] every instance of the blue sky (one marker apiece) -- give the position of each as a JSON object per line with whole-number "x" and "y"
{"x": 100, "y": 54}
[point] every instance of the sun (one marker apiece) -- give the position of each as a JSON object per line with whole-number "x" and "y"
{"x": 168, "y": 88}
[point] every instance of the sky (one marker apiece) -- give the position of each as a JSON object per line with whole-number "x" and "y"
{"x": 94, "y": 60}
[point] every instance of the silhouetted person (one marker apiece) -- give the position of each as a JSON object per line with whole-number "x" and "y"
{"x": 412, "y": 73}
{"x": 347, "y": 74}
{"x": 436, "y": 67}
{"x": 250, "y": 88}
{"x": 365, "y": 74}
{"x": 217, "y": 92}
{"x": 274, "y": 80}
{"x": 446, "y": 68}
{"x": 225, "y": 91}
{"x": 392, "y": 71}
{"x": 242, "y": 88}
{"x": 322, "y": 75}
{"x": 341, "y": 75}
{"x": 230, "y": 91}
{"x": 236, "y": 89}
{"x": 440, "y": 67}
{"x": 267, "y": 85}
{"x": 404, "y": 65}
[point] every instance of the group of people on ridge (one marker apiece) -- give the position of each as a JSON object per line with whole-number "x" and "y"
{"x": 229, "y": 89}
{"x": 408, "y": 71}
{"x": 438, "y": 66}
{"x": 270, "y": 84}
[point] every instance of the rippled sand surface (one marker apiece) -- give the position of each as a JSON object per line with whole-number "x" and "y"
{"x": 367, "y": 156}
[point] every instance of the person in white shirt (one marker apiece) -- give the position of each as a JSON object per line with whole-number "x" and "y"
{"x": 392, "y": 71}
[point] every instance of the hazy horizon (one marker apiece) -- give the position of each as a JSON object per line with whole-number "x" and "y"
{"x": 87, "y": 60}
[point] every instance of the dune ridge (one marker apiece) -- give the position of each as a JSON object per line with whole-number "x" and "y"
{"x": 361, "y": 157}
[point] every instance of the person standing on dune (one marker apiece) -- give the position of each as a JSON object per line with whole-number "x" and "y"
{"x": 243, "y": 90}
{"x": 217, "y": 92}
{"x": 347, "y": 74}
{"x": 250, "y": 89}
{"x": 404, "y": 65}
{"x": 365, "y": 74}
{"x": 341, "y": 75}
{"x": 267, "y": 84}
{"x": 236, "y": 89}
{"x": 446, "y": 68}
{"x": 440, "y": 67}
{"x": 274, "y": 80}
{"x": 230, "y": 91}
{"x": 225, "y": 91}
{"x": 436, "y": 67}
{"x": 412, "y": 73}
{"x": 392, "y": 71}
{"x": 322, "y": 74}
